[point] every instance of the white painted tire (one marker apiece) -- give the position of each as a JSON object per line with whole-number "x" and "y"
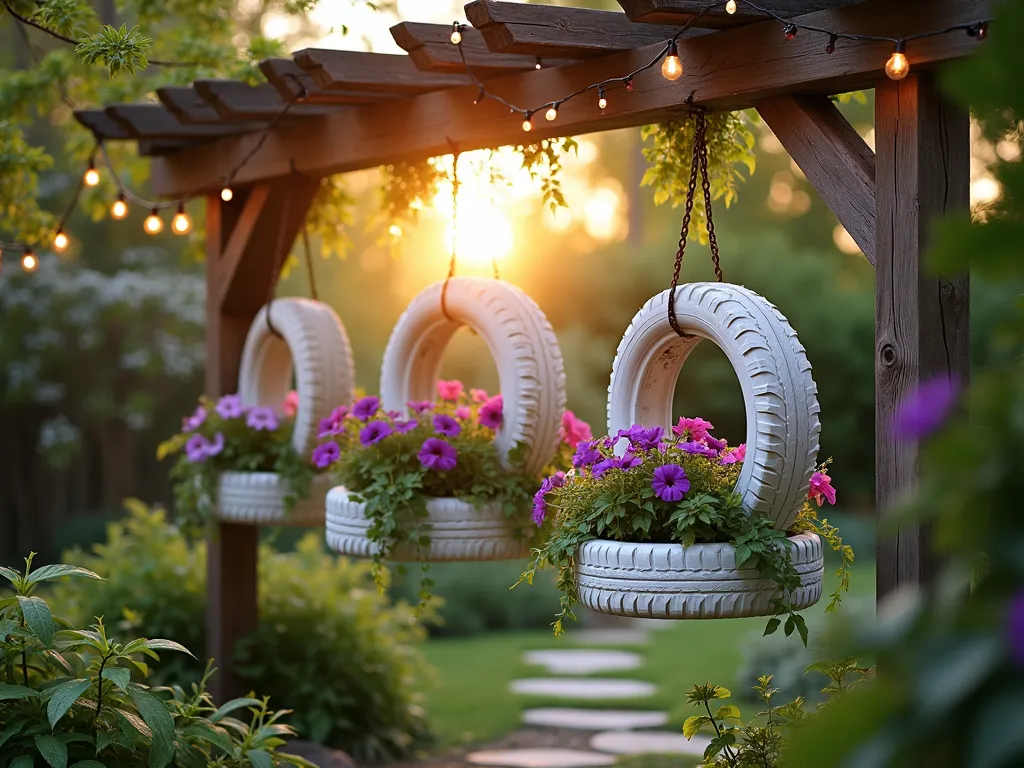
{"x": 258, "y": 498}
{"x": 521, "y": 341}
{"x": 779, "y": 393}
{"x": 668, "y": 581}
{"x": 457, "y": 530}
{"x": 314, "y": 344}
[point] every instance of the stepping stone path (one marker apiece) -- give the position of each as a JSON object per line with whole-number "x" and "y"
{"x": 594, "y": 719}
{"x": 573, "y": 661}
{"x": 583, "y": 688}
{"x": 649, "y": 742}
{"x": 541, "y": 758}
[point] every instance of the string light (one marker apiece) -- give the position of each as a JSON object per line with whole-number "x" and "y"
{"x": 92, "y": 176}
{"x": 629, "y": 84}
{"x": 226, "y": 194}
{"x": 153, "y": 224}
{"x": 897, "y": 67}
{"x": 60, "y": 241}
{"x": 480, "y": 96}
{"x": 538, "y": 65}
{"x": 29, "y": 262}
{"x": 181, "y": 224}
{"x": 789, "y": 31}
{"x": 980, "y": 31}
{"x": 672, "y": 67}
{"x": 552, "y": 113}
{"x": 528, "y": 122}
{"x": 730, "y": 7}
{"x": 119, "y": 209}
{"x": 456, "y": 33}
{"x": 831, "y": 46}
{"x": 602, "y": 102}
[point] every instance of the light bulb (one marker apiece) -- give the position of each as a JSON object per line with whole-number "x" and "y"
{"x": 60, "y": 241}
{"x": 629, "y": 85}
{"x": 119, "y": 209}
{"x": 730, "y": 7}
{"x": 538, "y": 65}
{"x": 528, "y": 122}
{"x": 897, "y": 67}
{"x": 789, "y": 31}
{"x": 226, "y": 194}
{"x": 672, "y": 67}
{"x": 602, "y": 102}
{"x": 92, "y": 176}
{"x": 456, "y": 34}
{"x": 29, "y": 261}
{"x": 551, "y": 114}
{"x": 395, "y": 231}
{"x": 181, "y": 224}
{"x": 153, "y": 223}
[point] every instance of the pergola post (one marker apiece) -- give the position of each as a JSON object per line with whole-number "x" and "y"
{"x": 922, "y": 150}
{"x": 247, "y": 240}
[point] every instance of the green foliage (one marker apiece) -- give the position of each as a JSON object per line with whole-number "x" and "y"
{"x": 75, "y": 697}
{"x": 119, "y": 50}
{"x": 328, "y": 645}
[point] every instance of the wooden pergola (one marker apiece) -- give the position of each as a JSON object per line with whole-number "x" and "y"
{"x": 350, "y": 111}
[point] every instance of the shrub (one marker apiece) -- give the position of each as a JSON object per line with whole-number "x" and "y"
{"x": 329, "y": 645}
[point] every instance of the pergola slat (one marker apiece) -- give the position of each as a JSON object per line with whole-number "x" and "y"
{"x": 101, "y": 124}
{"x": 554, "y": 31}
{"x": 155, "y": 121}
{"x": 235, "y": 100}
{"x": 294, "y": 83}
{"x": 430, "y": 48}
{"x": 731, "y": 69}
{"x": 188, "y": 106}
{"x": 375, "y": 73}
{"x": 679, "y": 12}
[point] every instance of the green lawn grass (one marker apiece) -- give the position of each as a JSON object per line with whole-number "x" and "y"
{"x": 468, "y": 702}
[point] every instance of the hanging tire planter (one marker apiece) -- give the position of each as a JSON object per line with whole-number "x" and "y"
{"x": 304, "y": 338}
{"x": 532, "y": 383}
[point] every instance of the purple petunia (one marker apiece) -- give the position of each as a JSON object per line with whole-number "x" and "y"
{"x": 199, "y": 449}
{"x": 438, "y": 454}
{"x": 627, "y": 461}
{"x": 699, "y": 449}
{"x": 193, "y": 422}
{"x": 366, "y": 408}
{"x": 586, "y": 455}
{"x": 603, "y": 466}
{"x": 540, "y": 505}
{"x": 925, "y": 410}
{"x": 420, "y": 406}
{"x": 262, "y": 418}
{"x": 642, "y": 439}
{"x": 401, "y": 427}
{"x": 1015, "y": 625}
{"x": 230, "y": 407}
{"x": 394, "y": 415}
{"x": 446, "y": 425}
{"x": 491, "y": 412}
{"x": 714, "y": 442}
{"x": 326, "y": 454}
{"x": 670, "y": 482}
{"x": 332, "y": 425}
{"x": 374, "y": 432}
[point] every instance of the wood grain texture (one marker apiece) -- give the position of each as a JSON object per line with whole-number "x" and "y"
{"x": 373, "y": 72}
{"x": 728, "y": 70}
{"x": 295, "y": 83}
{"x": 679, "y": 12}
{"x": 922, "y": 147}
{"x": 187, "y": 105}
{"x": 833, "y": 156}
{"x": 234, "y": 101}
{"x": 430, "y": 48}
{"x": 155, "y": 121}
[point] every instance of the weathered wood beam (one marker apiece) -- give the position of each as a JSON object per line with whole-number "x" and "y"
{"x": 833, "y": 157}
{"x": 102, "y": 125}
{"x": 922, "y": 323}
{"x": 732, "y": 69}
{"x": 376, "y": 73}
{"x": 155, "y": 121}
{"x": 431, "y": 50}
{"x": 293, "y": 83}
{"x": 188, "y": 106}
{"x": 234, "y": 100}
{"x": 557, "y": 32}
{"x": 152, "y": 148}
{"x": 679, "y": 12}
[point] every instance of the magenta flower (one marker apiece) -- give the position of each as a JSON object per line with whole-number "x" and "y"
{"x": 195, "y": 421}
{"x": 714, "y": 442}
{"x": 479, "y": 395}
{"x": 394, "y": 415}
{"x": 446, "y": 425}
{"x": 333, "y": 424}
{"x": 463, "y": 412}
{"x": 401, "y": 427}
{"x": 449, "y": 390}
{"x": 230, "y": 407}
{"x": 574, "y": 431}
{"x": 419, "y": 406}
{"x": 925, "y": 410}
{"x": 374, "y": 432}
{"x": 821, "y": 489}
{"x": 290, "y": 406}
{"x": 586, "y": 455}
{"x": 697, "y": 428}
{"x": 366, "y": 408}
{"x": 670, "y": 482}
{"x": 1015, "y": 625}
{"x": 698, "y": 449}
{"x": 262, "y": 418}
{"x": 736, "y": 455}
{"x": 490, "y": 413}
{"x": 326, "y": 454}
{"x": 438, "y": 455}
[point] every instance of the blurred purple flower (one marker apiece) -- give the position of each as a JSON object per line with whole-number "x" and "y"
{"x": 446, "y": 425}
{"x": 419, "y": 406}
{"x": 326, "y": 454}
{"x": 199, "y": 449}
{"x": 262, "y": 418}
{"x": 366, "y": 408}
{"x": 1016, "y": 628}
{"x": 714, "y": 442}
{"x": 698, "y": 449}
{"x": 670, "y": 482}
{"x": 401, "y": 427}
{"x": 924, "y": 410}
{"x": 230, "y": 407}
{"x": 193, "y": 422}
{"x": 437, "y": 454}
{"x": 490, "y": 413}
{"x": 374, "y": 432}
{"x": 586, "y": 454}
{"x": 333, "y": 424}
{"x": 394, "y": 415}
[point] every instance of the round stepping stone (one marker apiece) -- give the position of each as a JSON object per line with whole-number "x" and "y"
{"x": 594, "y": 719}
{"x": 571, "y": 661}
{"x": 588, "y": 688}
{"x": 649, "y": 743}
{"x": 608, "y": 637}
{"x": 541, "y": 758}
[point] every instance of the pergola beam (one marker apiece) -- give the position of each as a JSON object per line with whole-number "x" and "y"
{"x": 430, "y": 49}
{"x": 679, "y": 12}
{"x": 188, "y": 106}
{"x": 375, "y": 73}
{"x": 234, "y": 100}
{"x": 155, "y": 121}
{"x": 728, "y": 70}
{"x": 293, "y": 83}
{"x": 833, "y": 156}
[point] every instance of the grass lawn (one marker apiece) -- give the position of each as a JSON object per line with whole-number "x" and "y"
{"x": 469, "y": 701}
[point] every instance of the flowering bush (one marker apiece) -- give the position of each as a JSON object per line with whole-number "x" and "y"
{"x": 672, "y": 488}
{"x": 395, "y": 465}
{"x": 227, "y": 436}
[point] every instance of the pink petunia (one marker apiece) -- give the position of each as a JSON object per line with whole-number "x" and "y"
{"x": 479, "y": 395}
{"x": 291, "y": 403}
{"x": 736, "y": 455}
{"x": 698, "y": 428}
{"x": 491, "y": 413}
{"x": 574, "y": 430}
{"x": 463, "y": 412}
{"x": 449, "y": 390}
{"x": 821, "y": 489}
